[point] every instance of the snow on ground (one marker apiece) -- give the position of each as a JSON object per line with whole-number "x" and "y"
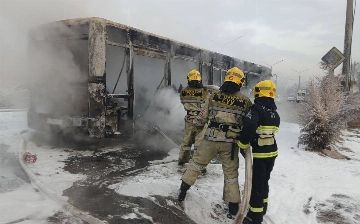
{"x": 48, "y": 168}
{"x": 305, "y": 185}
{"x": 304, "y": 188}
{"x": 164, "y": 180}
{"x": 20, "y": 201}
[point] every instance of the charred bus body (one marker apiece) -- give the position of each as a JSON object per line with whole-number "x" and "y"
{"x": 91, "y": 75}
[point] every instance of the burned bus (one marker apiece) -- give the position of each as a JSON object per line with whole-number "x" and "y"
{"x": 89, "y": 75}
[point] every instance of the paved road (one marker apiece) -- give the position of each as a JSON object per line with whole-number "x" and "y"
{"x": 288, "y": 111}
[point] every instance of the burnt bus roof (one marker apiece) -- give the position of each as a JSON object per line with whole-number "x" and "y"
{"x": 156, "y": 46}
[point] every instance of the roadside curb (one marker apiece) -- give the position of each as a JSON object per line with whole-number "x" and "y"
{"x": 12, "y": 110}
{"x": 64, "y": 205}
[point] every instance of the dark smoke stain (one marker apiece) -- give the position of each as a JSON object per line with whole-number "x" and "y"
{"x": 76, "y": 142}
{"x": 103, "y": 169}
{"x": 18, "y": 221}
{"x": 105, "y": 204}
{"x": 63, "y": 218}
{"x": 339, "y": 208}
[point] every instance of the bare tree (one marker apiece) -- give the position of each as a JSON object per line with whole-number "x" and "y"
{"x": 326, "y": 68}
{"x": 325, "y": 112}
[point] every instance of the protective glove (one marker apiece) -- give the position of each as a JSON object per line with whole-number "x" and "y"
{"x": 243, "y": 152}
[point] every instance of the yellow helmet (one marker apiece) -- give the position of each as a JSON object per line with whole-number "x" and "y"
{"x": 265, "y": 88}
{"x": 235, "y": 75}
{"x": 194, "y": 75}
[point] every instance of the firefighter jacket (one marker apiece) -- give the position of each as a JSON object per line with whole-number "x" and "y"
{"x": 260, "y": 124}
{"x": 193, "y": 99}
{"x": 223, "y": 115}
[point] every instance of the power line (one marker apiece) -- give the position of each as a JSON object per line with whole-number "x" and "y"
{"x": 225, "y": 43}
{"x": 300, "y": 71}
{"x": 232, "y": 40}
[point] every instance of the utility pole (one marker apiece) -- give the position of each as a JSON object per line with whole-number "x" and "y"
{"x": 347, "y": 43}
{"x": 275, "y": 79}
{"x": 299, "y": 72}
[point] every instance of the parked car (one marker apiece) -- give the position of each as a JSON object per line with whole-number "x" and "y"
{"x": 301, "y": 95}
{"x": 291, "y": 99}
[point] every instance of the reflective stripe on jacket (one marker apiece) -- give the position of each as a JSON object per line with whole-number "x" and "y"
{"x": 259, "y": 127}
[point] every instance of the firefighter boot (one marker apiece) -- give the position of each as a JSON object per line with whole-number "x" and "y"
{"x": 184, "y": 187}
{"x": 247, "y": 220}
{"x": 233, "y": 210}
{"x": 203, "y": 171}
{"x": 265, "y": 208}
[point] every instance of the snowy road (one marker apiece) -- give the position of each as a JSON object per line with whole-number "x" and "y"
{"x": 288, "y": 111}
{"x": 20, "y": 201}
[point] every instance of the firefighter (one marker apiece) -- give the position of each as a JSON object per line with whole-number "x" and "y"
{"x": 259, "y": 127}
{"x": 222, "y": 118}
{"x": 193, "y": 97}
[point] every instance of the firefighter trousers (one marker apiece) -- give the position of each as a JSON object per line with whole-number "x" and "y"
{"x": 262, "y": 168}
{"x": 207, "y": 151}
{"x": 191, "y": 136}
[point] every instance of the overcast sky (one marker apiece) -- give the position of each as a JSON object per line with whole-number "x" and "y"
{"x": 299, "y": 32}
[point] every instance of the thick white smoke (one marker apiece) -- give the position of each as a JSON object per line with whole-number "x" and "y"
{"x": 24, "y": 62}
{"x": 16, "y": 19}
{"x": 56, "y": 66}
{"x": 165, "y": 111}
